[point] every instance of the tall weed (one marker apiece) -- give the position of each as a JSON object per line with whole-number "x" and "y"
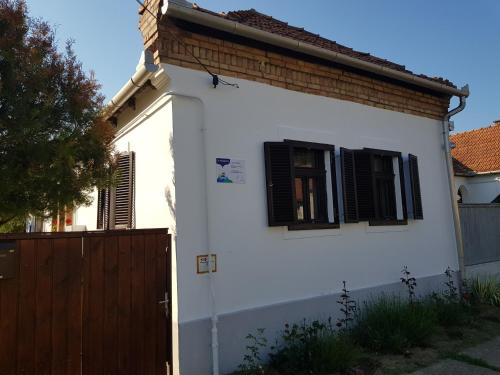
{"x": 485, "y": 290}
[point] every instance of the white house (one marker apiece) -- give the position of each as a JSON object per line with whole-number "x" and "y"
{"x": 476, "y": 161}
{"x": 295, "y": 162}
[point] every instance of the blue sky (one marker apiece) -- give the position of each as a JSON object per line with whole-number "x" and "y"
{"x": 455, "y": 39}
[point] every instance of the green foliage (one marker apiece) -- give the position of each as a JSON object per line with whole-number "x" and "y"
{"x": 409, "y": 282}
{"x": 485, "y": 290}
{"x": 16, "y": 225}
{"x": 391, "y": 324}
{"x": 313, "y": 348}
{"x": 252, "y": 361}
{"x": 54, "y": 145}
{"x": 348, "y": 309}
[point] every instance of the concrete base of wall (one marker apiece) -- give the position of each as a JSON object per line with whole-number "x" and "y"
{"x": 484, "y": 270}
{"x": 195, "y": 336}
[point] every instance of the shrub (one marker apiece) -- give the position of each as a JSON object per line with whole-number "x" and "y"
{"x": 252, "y": 361}
{"x": 348, "y": 309}
{"x": 485, "y": 290}
{"x": 313, "y": 349}
{"x": 391, "y": 324}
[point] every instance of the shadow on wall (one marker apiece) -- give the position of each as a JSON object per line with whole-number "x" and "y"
{"x": 168, "y": 190}
{"x": 463, "y": 194}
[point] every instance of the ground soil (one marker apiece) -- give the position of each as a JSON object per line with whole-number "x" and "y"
{"x": 444, "y": 343}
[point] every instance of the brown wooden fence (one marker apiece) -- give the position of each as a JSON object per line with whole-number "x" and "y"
{"x": 85, "y": 303}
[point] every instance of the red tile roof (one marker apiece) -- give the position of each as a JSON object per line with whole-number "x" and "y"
{"x": 269, "y": 24}
{"x": 477, "y": 150}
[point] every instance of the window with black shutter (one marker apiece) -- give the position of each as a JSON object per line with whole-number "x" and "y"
{"x": 296, "y": 177}
{"x": 103, "y": 208}
{"x": 116, "y": 204}
{"x": 415, "y": 187}
{"x": 124, "y": 198}
{"x": 349, "y": 188}
{"x": 373, "y": 188}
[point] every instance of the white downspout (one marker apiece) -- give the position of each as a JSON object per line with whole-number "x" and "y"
{"x": 214, "y": 315}
{"x": 449, "y": 168}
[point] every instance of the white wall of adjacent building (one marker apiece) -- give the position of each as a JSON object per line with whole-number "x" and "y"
{"x": 478, "y": 189}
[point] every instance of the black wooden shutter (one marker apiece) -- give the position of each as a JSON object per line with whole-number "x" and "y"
{"x": 402, "y": 186}
{"x": 103, "y": 206}
{"x": 333, "y": 171}
{"x": 415, "y": 187}
{"x": 349, "y": 185}
{"x": 364, "y": 185}
{"x": 124, "y": 195}
{"x": 279, "y": 182}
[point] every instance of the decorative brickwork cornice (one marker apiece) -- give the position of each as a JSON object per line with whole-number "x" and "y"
{"x": 238, "y": 58}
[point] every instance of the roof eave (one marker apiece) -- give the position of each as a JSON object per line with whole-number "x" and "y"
{"x": 182, "y": 10}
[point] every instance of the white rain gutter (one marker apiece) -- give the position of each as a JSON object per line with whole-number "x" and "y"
{"x": 447, "y": 125}
{"x": 144, "y": 71}
{"x": 184, "y": 10}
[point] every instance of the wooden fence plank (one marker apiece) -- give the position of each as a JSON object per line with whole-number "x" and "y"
{"x": 161, "y": 288}
{"x": 124, "y": 304}
{"x": 74, "y": 306}
{"x": 110, "y": 329}
{"x": 27, "y": 297}
{"x": 137, "y": 298}
{"x": 152, "y": 307}
{"x": 94, "y": 343}
{"x": 43, "y": 319}
{"x": 85, "y": 305}
{"x": 59, "y": 306}
{"x": 9, "y": 289}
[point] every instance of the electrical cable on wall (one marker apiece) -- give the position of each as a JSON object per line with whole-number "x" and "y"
{"x": 215, "y": 78}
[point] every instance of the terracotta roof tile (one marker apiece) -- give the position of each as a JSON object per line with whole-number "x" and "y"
{"x": 269, "y": 24}
{"x": 477, "y": 150}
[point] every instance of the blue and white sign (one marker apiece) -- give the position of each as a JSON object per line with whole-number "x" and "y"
{"x": 230, "y": 171}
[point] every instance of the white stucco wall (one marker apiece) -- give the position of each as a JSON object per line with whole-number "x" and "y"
{"x": 147, "y": 131}
{"x": 478, "y": 189}
{"x": 259, "y": 265}
{"x": 192, "y": 124}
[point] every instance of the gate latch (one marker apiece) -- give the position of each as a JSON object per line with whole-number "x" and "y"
{"x": 165, "y": 304}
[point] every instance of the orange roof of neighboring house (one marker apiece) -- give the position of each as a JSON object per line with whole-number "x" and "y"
{"x": 269, "y": 24}
{"x": 477, "y": 151}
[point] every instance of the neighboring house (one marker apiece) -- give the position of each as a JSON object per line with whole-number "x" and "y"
{"x": 476, "y": 161}
{"x": 310, "y": 163}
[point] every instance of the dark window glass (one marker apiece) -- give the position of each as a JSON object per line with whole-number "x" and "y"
{"x": 299, "y": 199}
{"x": 304, "y": 158}
{"x": 384, "y": 187}
{"x": 310, "y": 185}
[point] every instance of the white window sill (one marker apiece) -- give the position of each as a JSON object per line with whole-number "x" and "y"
{"x": 309, "y": 233}
{"x": 385, "y": 228}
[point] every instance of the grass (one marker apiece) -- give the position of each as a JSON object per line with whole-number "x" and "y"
{"x": 450, "y": 313}
{"x": 485, "y": 290}
{"x": 393, "y": 325}
{"x": 313, "y": 349}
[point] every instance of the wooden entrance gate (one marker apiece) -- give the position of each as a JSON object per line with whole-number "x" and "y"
{"x": 85, "y": 303}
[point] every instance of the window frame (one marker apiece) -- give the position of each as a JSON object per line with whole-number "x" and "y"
{"x": 107, "y": 197}
{"x": 377, "y": 221}
{"x": 304, "y": 171}
{"x": 359, "y": 186}
{"x": 316, "y": 225}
